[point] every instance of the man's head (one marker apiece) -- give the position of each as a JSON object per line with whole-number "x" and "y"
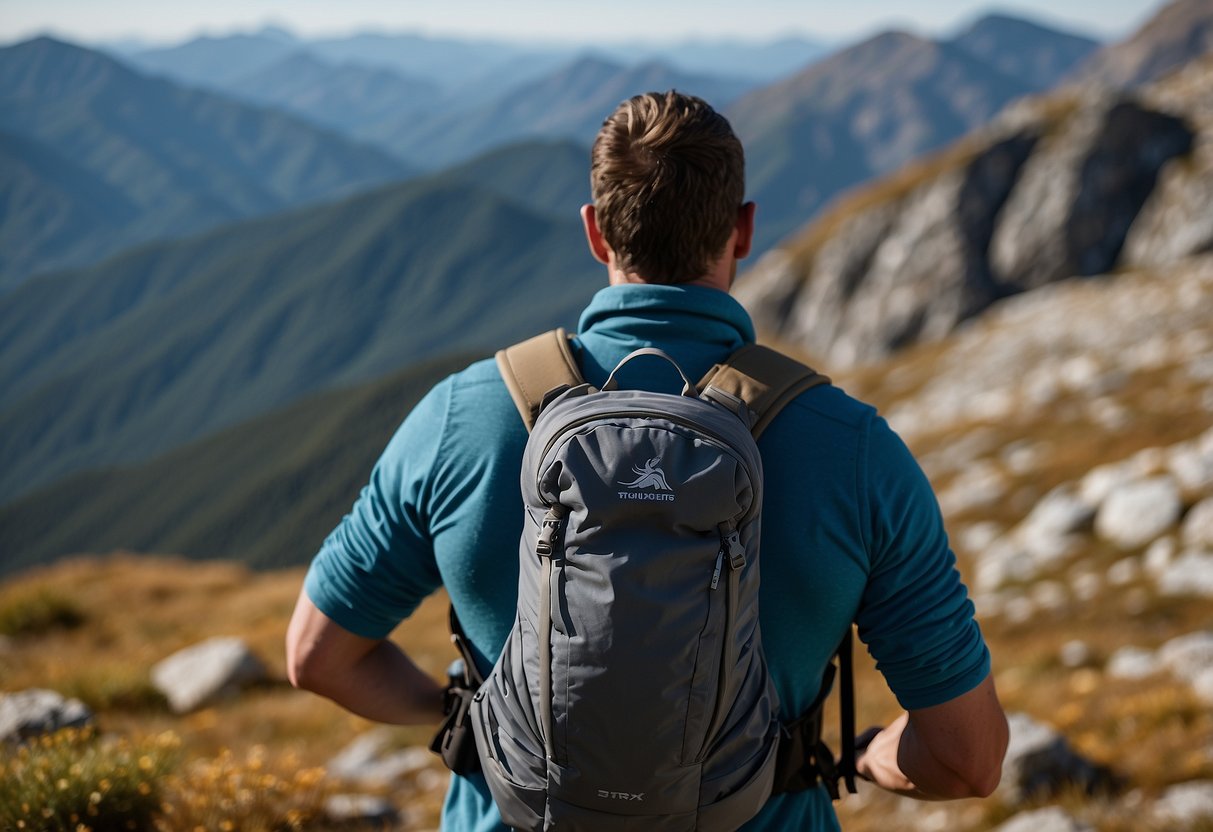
{"x": 667, "y": 176}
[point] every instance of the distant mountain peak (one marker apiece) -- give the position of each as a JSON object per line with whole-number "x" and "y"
{"x": 278, "y": 33}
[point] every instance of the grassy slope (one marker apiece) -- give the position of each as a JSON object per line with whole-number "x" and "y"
{"x": 266, "y": 492}
{"x": 1149, "y": 731}
{"x": 167, "y": 343}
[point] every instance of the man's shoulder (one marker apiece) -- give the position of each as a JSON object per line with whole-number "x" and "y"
{"x": 832, "y": 404}
{"x": 478, "y": 374}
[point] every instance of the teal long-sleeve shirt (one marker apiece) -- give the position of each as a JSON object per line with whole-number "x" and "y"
{"x": 851, "y": 528}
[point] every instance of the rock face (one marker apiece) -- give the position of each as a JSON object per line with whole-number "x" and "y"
{"x": 1187, "y": 803}
{"x": 1137, "y": 512}
{"x": 198, "y": 675}
{"x": 1071, "y": 185}
{"x": 1041, "y": 764}
{"x": 36, "y": 711}
{"x": 1180, "y": 32}
{"x": 1051, "y": 819}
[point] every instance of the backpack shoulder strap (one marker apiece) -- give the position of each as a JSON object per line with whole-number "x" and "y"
{"x": 534, "y": 368}
{"x": 766, "y": 380}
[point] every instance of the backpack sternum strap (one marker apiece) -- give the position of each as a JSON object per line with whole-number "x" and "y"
{"x": 764, "y": 379}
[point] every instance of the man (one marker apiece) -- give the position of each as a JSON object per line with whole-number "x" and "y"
{"x": 851, "y": 529}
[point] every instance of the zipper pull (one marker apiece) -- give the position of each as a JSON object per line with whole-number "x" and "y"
{"x": 719, "y": 565}
{"x": 730, "y": 542}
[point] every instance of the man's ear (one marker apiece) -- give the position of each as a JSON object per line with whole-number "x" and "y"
{"x": 745, "y": 230}
{"x": 593, "y": 236}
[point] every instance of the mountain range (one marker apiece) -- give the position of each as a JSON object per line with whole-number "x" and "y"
{"x": 102, "y": 157}
{"x": 871, "y": 108}
{"x": 110, "y": 366}
{"x": 106, "y": 158}
{"x": 174, "y": 340}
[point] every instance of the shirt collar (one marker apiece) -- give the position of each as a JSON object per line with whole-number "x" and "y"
{"x": 661, "y": 311}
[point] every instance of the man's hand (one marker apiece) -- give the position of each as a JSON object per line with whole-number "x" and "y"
{"x": 370, "y": 677}
{"x": 949, "y": 751}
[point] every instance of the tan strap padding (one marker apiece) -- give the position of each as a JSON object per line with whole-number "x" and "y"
{"x": 764, "y": 379}
{"x": 535, "y": 367}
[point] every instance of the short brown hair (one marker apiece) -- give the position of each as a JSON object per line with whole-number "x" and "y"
{"x": 667, "y": 176}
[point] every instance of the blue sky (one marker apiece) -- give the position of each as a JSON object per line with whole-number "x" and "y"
{"x": 91, "y": 21}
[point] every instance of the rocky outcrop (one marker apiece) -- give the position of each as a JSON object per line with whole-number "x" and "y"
{"x": 1041, "y": 764}
{"x": 1049, "y": 819}
{"x": 206, "y": 672}
{"x": 370, "y": 760}
{"x": 30, "y": 713}
{"x": 1180, "y": 32}
{"x": 1072, "y": 185}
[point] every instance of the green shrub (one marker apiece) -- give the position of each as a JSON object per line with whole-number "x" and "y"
{"x": 75, "y": 780}
{"x": 30, "y": 611}
{"x": 115, "y": 688}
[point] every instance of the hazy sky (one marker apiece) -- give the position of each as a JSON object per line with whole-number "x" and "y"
{"x": 89, "y": 21}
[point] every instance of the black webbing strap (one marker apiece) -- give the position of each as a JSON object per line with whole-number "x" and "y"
{"x": 846, "y": 711}
{"x": 455, "y": 742}
{"x": 803, "y": 759}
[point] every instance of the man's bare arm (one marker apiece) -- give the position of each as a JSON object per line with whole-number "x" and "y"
{"x": 370, "y": 677}
{"x": 945, "y": 752}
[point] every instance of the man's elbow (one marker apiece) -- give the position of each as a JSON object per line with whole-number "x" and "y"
{"x": 983, "y": 777}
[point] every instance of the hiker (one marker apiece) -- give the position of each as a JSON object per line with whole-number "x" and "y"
{"x": 851, "y": 531}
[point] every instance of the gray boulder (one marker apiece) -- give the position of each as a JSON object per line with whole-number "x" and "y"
{"x": 1197, "y": 528}
{"x": 1133, "y": 663}
{"x": 1049, "y": 819}
{"x": 1187, "y": 657}
{"x": 1137, "y": 512}
{"x": 206, "y": 672}
{"x": 1186, "y": 804}
{"x": 1189, "y": 574}
{"x": 1040, "y": 764}
{"x": 37, "y": 711}
{"x": 360, "y": 809}
{"x": 369, "y": 760}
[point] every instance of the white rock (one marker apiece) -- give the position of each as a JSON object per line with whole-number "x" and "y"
{"x": 1188, "y": 656}
{"x": 1103, "y": 480}
{"x": 1186, "y": 803}
{"x": 1086, "y": 586}
{"x": 1075, "y": 654}
{"x": 36, "y": 711}
{"x": 1159, "y": 555}
{"x": 359, "y": 808}
{"x": 1133, "y": 663}
{"x": 1059, "y": 513}
{"x": 1202, "y": 684}
{"x": 200, "y": 674}
{"x": 1197, "y": 527}
{"x": 975, "y": 539}
{"x": 1137, "y": 512}
{"x": 366, "y": 760}
{"x": 1124, "y": 571}
{"x": 1049, "y": 595}
{"x": 1192, "y": 467}
{"x": 1049, "y": 819}
{"x": 1189, "y": 574}
{"x": 979, "y": 485}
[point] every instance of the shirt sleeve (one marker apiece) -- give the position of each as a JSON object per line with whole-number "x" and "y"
{"x": 378, "y": 564}
{"x": 915, "y": 614}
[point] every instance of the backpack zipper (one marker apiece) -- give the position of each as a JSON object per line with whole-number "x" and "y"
{"x": 730, "y": 544}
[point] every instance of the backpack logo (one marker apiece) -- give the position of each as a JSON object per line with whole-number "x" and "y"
{"x": 651, "y": 476}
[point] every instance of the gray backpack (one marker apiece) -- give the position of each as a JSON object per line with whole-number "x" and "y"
{"x": 632, "y": 691}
